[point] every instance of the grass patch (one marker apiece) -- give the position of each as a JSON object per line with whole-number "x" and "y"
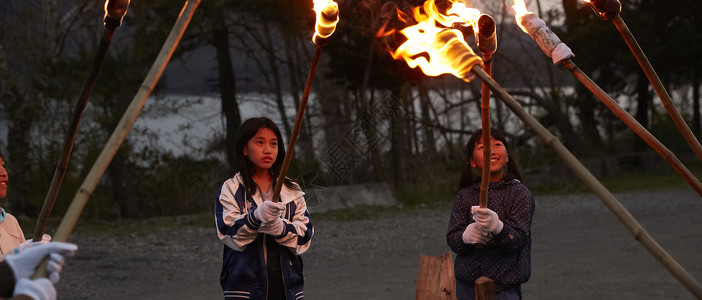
{"x": 665, "y": 178}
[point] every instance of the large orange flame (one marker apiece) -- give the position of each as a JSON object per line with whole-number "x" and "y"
{"x": 439, "y": 50}
{"x": 327, "y": 16}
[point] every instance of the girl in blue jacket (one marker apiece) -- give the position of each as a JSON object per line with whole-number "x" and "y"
{"x": 263, "y": 238}
{"x": 494, "y": 242}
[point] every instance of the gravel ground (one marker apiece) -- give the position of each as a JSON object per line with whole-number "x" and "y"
{"x": 580, "y": 251}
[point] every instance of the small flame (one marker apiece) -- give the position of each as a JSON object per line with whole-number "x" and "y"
{"x": 520, "y": 10}
{"x": 327, "y": 16}
{"x": 459, "y": 13}
{"x": 437, "y": 50}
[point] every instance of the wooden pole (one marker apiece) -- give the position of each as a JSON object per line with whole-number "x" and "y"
{"x": 70, "y": 137}
{"x": 639, "y": 233}
{"x": 658, "y": 86}
{"x": 298, "y": 120}
{"x": 487, "y": 146}
{"x": 634, "y": 125}
{"x": 487, "y": 41}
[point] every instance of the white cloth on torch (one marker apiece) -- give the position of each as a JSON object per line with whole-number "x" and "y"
{"x": 545, "y": 38}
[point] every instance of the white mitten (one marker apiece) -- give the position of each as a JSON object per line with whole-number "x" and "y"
{"x": 24, "y": 263}
{"x": 274, "y": 228}
{"x": 30, "y": 243}
{"x": 487, "y": 220}
{"x": 473, "y": 235}
{"x": 269, "y": 211}
{"x": 39, "y": 289}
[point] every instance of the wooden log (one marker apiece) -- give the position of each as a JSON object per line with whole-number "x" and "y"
{"x": 447, "y": 280}
{"x": 435, "y": 279}
{"x": 428, "y": 278}
{"x": 484, "y": 288}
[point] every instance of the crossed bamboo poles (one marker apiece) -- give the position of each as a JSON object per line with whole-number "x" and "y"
{"x": 114, "y": 12}
{"x": 610, "y": 10}
{"x": 125, "y": 124}
{"x": 552, "y": 46}
{"x": 448, "y": 54}
{"x": 639, "y": 233}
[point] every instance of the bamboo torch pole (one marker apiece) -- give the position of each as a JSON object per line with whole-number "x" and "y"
{"x": 327, "y": 18}
{"x": 298, "y": 122}
{"x": 114, "y": 12}
{"x": 560, "y": 53}
{"x": 639, "y": 233}
{"x": 487, "y": 43}
{"x": 609, "y": 10}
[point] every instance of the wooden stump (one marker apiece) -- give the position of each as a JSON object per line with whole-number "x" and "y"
{"x": 435, "y": 280}
{"x": 484, "y": 289}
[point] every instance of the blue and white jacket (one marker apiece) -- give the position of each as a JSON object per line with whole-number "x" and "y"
{"x": 244, "y": 274}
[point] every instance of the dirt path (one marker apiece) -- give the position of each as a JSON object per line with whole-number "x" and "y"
{"x": 580, "y": 251}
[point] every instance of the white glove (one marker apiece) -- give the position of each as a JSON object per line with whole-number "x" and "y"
{"x": 269, "y": 211}
{"x": 274, "y": 228}
{"x": 45, "y": 239}
{"x": 487, "y": 220}
{"x": 473, "y": 235}
{"x": 39, "y": 289}
{"x": 24, "y": 263}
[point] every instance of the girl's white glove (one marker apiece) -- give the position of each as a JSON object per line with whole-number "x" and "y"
{"x": 29, "y": 243}
{"x": 39, "y": 289}
{"x": 487, "y": 220}
{"x": 269, "y": 211}
{"x": 24, "y": 263}
{"x": 274, "y": 228}
{"x": 473, "y": 235}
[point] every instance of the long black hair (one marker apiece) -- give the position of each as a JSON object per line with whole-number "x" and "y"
{"x": 245, "y": 167}
{"x": 467, "y": 175}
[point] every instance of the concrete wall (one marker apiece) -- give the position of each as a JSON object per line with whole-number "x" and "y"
{"x": 321, "y": 199}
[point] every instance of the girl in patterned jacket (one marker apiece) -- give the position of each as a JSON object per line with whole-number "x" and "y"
{"x": 494, "y": 242}
{"x": 264, "y": 239}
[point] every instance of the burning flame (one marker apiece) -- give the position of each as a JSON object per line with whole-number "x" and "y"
{"x": 520, "y": 10}
{"x": 327, "y": 16}
{"x": 439, "y": 50}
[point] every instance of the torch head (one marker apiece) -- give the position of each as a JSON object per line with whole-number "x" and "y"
{"x": 114, "y": 12}
{"x": 327, "y": 18}
{"x": 487, "y": 36}
{"x": 607, "y": 9}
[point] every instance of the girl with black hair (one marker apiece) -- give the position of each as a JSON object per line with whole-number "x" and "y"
{"x": 493, "y": 242}
{"x": 263, "y": 239}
